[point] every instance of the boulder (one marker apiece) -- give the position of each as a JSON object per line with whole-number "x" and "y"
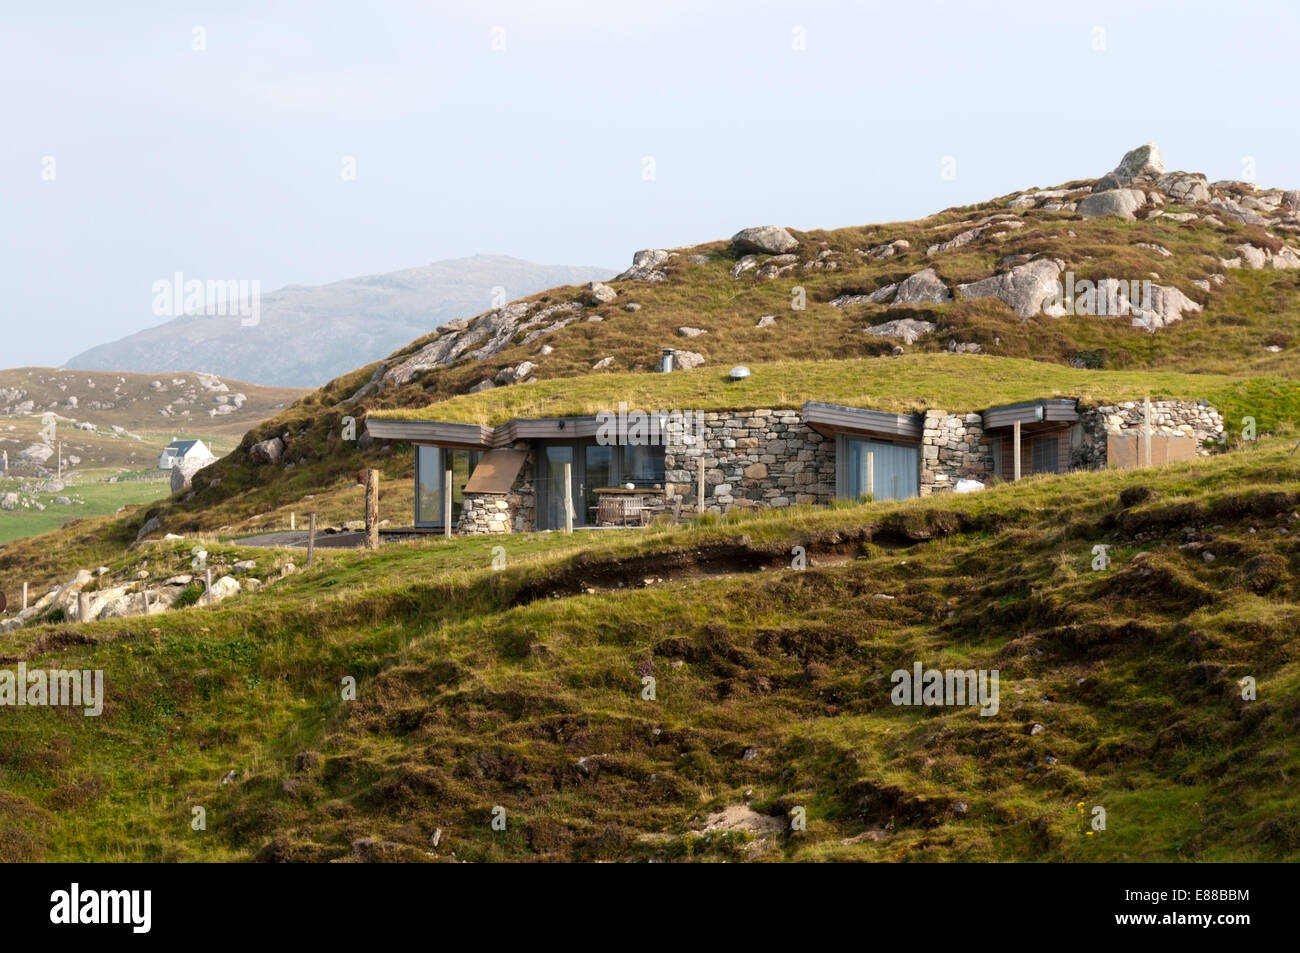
{"x": 151, "y": 526}
{"x": 1167, "y": 306}
{"x": 267, "y": 451}
{"x": 924, "y": 287}
{"x": 906, "y": 330}
{"x": 645, "y": 266}
{"x": 1185, "y": 188}
{"x": 685, "y": 360}
{"x": 597, "y": 292}
{"x": 1140, "y": 164}
{"x": 1121, "y": 203}
{"x": 691, "y": 332}
{"x": 37, "y": 452}
{"x": 9, "y": 501}
{"x": 224, "y": 588}
{"x": 764, "y": 240}
{"x": 1231, "y": 209}
{"x": 744, "y": 265}
{"x": 1024, "y": 288}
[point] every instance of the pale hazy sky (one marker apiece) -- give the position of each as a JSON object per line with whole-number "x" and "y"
{"x": 225, "y": 162}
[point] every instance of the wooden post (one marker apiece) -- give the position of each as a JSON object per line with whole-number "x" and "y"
{"x": 207, "y": 576}
{"x": 699, "y": 492}
{"x": 293, "y": 521}
{"x": 311, "y": 539}
{"x": 871, "y": 474}
{"x": 446, "y": 502}
{"x": 1146, "y": 431}
{"x": 372, "y": 509}
{"x": 60, "y": 477}
{"x": 24, "y": 597}
{"x": 1015, "y": 450}
{"x": 83, "y": 606}
{"x": 568, "y": 497}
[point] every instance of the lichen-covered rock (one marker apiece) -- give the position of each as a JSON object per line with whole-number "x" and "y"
{"x": 267, "y": 451}
{"x": 924, "y": 287}
{"x": 1121, "y": 203}
{"x": 764, "y": 239}
{"x": 645, "y": 266}
{"x": 1024, "y": 289}
{"x": 1138, "y": 165}
{"x": 906, "y": 330}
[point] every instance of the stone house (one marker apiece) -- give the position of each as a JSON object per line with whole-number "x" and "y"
{"x": 624, "y": 469}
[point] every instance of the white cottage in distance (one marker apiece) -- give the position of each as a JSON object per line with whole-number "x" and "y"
{"x": 185, "y": 451}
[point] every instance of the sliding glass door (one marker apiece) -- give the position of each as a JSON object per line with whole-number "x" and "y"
{"x": 431, "y": 465}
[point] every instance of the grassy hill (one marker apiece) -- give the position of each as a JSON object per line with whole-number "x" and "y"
{"x": 523, "y": 689}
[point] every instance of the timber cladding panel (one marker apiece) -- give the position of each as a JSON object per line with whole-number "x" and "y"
{"x": 1125, "y": 451}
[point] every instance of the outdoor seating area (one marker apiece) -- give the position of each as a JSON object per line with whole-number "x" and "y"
{"x": 619, "y": 506}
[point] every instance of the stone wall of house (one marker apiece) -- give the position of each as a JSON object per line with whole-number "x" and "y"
{"x": 1174, "y": 418}
{"x": 495, "y": 513}
{"x": 953, "y": 447}
{"x": 752, "y": 458}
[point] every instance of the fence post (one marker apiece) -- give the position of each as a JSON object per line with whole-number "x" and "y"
{"x": 24, "y": 597}
{"x": 207, "y": 576}
{"x": 311, "y": 539}
{"x": 871, "y": 474}
{"x": 372, "y": 509}
{"x": 83, "y": 606}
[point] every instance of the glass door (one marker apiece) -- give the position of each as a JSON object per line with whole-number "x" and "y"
{"x": 554, "y": 457}
{"x": 598, "y": 472}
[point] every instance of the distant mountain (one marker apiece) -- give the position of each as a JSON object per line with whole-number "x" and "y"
{"x": 308, "y": 335}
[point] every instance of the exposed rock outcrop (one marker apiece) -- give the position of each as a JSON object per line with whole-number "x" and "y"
{"x": 1121, "y": 203}
{"x": 1024, "y": 288}
{"x": 1142, "y": 165}
{"x": 764, "y": 240}
{"x": 924, "y": 287}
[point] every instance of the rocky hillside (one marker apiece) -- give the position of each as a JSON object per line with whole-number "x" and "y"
{"x": 309, "y": 334}
{"x": 1223, "y": 300}
{"x": 117, "y": 420}
{"x": 1217, "y": 256}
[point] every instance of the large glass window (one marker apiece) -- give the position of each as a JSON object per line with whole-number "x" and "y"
{"x": 642, "y": 465}
{"x": 895, "y": 469}
{"x": 431, "y": 464}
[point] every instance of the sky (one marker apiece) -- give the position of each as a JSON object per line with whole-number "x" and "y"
{"x": 306, "y": 142}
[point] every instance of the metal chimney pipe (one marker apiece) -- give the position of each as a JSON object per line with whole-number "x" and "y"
{"x": 666, "y": 360}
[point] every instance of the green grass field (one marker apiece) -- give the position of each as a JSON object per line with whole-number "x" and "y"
{"x": 101, "y": 499}
{"x": 525, "y": 689}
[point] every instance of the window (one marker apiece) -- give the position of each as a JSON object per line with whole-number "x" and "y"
{"x": 1046, "y": 458}
{"x": 643, "y": 466}
{"x": 431, "y": 464}
{"x": 895, "y": 470}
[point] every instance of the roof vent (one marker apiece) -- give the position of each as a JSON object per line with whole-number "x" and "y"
{"x": 739, "y": 372}
{"x": 666, "y": 360}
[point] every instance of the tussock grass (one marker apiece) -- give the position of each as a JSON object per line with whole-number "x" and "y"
{"x": 523, "y": 689}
